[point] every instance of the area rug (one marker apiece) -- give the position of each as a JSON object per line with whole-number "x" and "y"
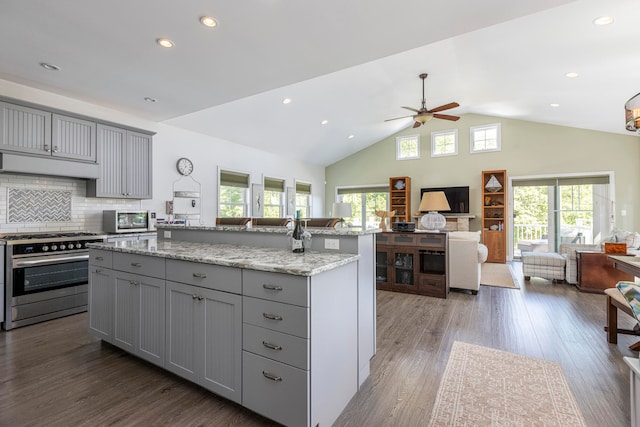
{"x": 494, "y": 274}
{"x": 482, "y": 386}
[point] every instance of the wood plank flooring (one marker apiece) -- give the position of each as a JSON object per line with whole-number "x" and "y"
{"x": 56, "y": 374}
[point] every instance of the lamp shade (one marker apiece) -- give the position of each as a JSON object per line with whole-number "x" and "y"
{"x": 434, "y": 201}
{"x": 342, "y": 210}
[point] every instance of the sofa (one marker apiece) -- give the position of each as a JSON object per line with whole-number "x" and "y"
{"x": 466, "y": 255}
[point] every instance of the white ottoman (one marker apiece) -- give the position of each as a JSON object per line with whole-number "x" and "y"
{"x": 547, "y": 265}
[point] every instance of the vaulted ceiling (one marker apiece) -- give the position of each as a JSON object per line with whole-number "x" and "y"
{"x": 351, "y": 63}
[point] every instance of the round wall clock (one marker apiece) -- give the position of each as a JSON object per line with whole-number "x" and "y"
{"x": 184, "y": 166}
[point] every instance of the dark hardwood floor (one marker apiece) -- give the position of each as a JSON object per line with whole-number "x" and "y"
{"x": 56, "y": 374}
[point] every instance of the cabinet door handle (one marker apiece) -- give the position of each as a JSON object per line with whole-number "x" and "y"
{"x": 46, "y": 148}
{"x": 134, "y": 283}
{"x": 272, "y": 316}
{"x": 271, "y": 346}
{"x": 194, "y": 296}
{"x": 272, "y": 287}
{"x": 271, "y": 376}
{"x": 99, "y": 258}
{"x": 136, "y": 264}
{"x": 55, "y": 148}
{"x": 200, "y": 275}
{"x": 200, "y": 297}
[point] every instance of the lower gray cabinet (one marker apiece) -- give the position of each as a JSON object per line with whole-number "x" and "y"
{"x": 204, "y": 338}
{"x": 101, "y": 291}
{"x": 139, "y": 310}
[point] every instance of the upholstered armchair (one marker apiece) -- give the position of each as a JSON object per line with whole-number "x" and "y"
{"x": 466, "y": 255}
{"x": 568, "y": 250}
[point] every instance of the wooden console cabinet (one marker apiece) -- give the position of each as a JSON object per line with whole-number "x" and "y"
{"x": 412, "y": 262}
{"x": 596, "y": 272}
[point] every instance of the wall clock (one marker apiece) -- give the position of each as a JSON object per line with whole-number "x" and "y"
{"x": 184, "y": 166}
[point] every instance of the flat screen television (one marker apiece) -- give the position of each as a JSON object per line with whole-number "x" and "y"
{"x": 458, "y": 198}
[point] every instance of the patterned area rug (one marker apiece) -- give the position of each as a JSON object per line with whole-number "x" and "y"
{"x": 486, "y": 387}
{"x": 495, "y": 274}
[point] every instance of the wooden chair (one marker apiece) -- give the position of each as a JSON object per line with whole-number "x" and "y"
{"x": 232, "y": 221}
{"x": 322, "y": 222}
{"x": 616, "y": 301}
{"x": 270, "y": 222}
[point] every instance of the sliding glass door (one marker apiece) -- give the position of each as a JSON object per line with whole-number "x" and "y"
{"x": 365, "y": 201}
{"x": 550, "y": 211}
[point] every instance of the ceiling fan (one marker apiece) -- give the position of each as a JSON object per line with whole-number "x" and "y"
{"x": 425, "y": 115}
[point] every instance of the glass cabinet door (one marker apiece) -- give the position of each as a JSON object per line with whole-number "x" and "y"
{"x": 403, "y": 263}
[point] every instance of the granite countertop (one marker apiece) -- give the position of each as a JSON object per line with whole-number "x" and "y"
{"x": 313, "y": 230}
{"x": 254, "y": 258}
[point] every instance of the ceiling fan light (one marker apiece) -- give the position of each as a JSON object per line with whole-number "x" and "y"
{"x": 424, "y": 118}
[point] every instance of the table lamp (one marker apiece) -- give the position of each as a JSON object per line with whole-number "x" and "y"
{"x": 432, "y": 202}
{"x": 342, "y": 211}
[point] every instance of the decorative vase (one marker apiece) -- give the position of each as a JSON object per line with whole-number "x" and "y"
{"x": 493, "y": 185}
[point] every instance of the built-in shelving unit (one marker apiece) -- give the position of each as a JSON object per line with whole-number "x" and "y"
{"x": 494, "y": 218}
{"x": 400, "y": 193}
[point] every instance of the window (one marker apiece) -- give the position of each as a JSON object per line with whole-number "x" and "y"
{"x": 444, "y": 143}
{"x": 233, "y": 200}
{"x": 365, "y": 201}
{"x": 485, "y": 138}
{"x": 303, "y": 199}
{"x": 273, "y": 198}
{"x": 408, "y": 147}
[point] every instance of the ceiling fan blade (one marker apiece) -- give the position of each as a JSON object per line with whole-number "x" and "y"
{"x": 412, "y": 109}
{"x": 446, "y": 117}
{"x": 398, "y": 118}
{"x": 444, "y": 107}
{"x": 417, "y": 125}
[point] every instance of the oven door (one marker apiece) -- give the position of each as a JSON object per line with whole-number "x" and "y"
{"x": 44, "y": 273}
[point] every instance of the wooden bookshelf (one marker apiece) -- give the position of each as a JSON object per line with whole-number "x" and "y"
{"x": 400, "y": 193}
{"x": 494, "y": 216}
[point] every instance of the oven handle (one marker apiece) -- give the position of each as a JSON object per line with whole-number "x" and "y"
{"x": 48, "y": 260}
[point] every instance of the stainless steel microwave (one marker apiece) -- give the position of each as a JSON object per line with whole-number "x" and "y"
{"x": 115, "y": 221}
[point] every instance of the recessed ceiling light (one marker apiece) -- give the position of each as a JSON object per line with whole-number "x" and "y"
{"x": 286, "y": 101}
{"x": 351, "y": 136}
{"x": 324, "y": 122}
{"x": 603, "y": 20}
{"x": 554, "y": 105}
{"x": 208, "y": 21}
{"x": 572, "y": 75}
{"x": 49, "y": 67}
{"x": 165, "y": 43}
{"x": 149, "y": 99}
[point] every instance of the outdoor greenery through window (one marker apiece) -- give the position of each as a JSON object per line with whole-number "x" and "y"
{"x": 365, "y": 201}
{"x": 303, "y": 199}
{"x": 273, "y": 198}
{"x": 444, "y": 143}
{"x": 408, "y": 147}
{"x": 485, "y": 138}
{"x": 233, "y": 194}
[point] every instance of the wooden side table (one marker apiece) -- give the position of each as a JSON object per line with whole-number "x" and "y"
{"x": 596, "y": 272}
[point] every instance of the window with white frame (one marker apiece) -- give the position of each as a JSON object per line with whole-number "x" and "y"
{"x": 365, "y": 201}
{"x": 233, "y": 200}
{"x": 273, "y": 198}
{"x": 444, "y": 143}
{"x": 303, "y": 199}
{"x": 408, "y": 147}
{"x": 485, "y": 138}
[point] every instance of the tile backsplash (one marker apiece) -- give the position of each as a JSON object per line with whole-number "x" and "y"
{"x": 39, "y": 203}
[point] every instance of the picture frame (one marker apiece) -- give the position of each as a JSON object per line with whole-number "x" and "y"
{"x": 257, "y": 200}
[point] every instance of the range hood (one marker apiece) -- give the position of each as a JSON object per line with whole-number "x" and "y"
{"x": 32, "y": 165}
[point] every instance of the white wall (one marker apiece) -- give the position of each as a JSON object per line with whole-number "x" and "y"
{"x": 170, "y": 143}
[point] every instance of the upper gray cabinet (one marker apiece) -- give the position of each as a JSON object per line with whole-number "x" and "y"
{"x": 32, "y": 131}
{"x": 125, "y": 164}
{"x": 25, "y": 129}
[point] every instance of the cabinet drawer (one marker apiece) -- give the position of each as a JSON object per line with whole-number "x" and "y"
{"x": 277, "y": 316}
{"x": 139, "y": 264}
{"x": 277, "y": 391}
{"x": 435, "y": 240}
{"x": 432, "y": 285}
{"x": 227, "y": 279}
{"x": 101, "y": 258}
{"x": 276, "y": 287}
{"x": 402, "y": 239}
{"x": 281, "y": 347}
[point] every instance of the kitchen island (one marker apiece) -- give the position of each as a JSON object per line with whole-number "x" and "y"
{"x": 274, "y": 331}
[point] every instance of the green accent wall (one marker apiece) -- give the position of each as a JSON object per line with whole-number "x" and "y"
{"x": 528, "y": 148}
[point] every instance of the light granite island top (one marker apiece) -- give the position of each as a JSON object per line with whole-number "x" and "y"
{"x": 275, "y": 260}
{"x": 347, "y": 231}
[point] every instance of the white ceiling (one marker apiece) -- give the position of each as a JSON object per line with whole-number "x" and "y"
{"x": 353, "y": 63}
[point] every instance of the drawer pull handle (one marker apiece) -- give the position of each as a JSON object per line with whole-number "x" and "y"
{"x": 200, "y": 297}
{"x": 136, "y": 264}
{"x": 99, "y": 258}
{"x": 272, "y": 287}
{"x": 271, "y": 346}
{"x": 272, "y": 316}
{"x": 101, "y": 272}
{"x": 200, "y": 275}
{"x": 194, "y": 296}
{"x": 271, "y": 376}
{"x": 134, "y": 283}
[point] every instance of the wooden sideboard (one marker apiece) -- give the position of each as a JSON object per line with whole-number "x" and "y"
{"x": 412, "y": 262}
{"x": 597, "y": 273}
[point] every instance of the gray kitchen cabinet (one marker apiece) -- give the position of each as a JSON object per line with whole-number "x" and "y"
{"x": 73, "y": 138}
{"x": 125, "y": 164}
{"x": 101, "y": 294}
{"x": 204, "y": 338}
{"x": 139, "y": 309}
{"x": 24, "y": 129}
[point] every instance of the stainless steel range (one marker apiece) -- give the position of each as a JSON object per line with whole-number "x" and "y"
{"x": 46, "y": 276}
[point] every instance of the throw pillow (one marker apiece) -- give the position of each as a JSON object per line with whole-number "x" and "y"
{"x": 631, "y": 293}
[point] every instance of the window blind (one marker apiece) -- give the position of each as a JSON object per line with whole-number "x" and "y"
{"x": 234, "y": 179}
{"x": 273, "y": 184}
{"x": 303, "y": 188}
